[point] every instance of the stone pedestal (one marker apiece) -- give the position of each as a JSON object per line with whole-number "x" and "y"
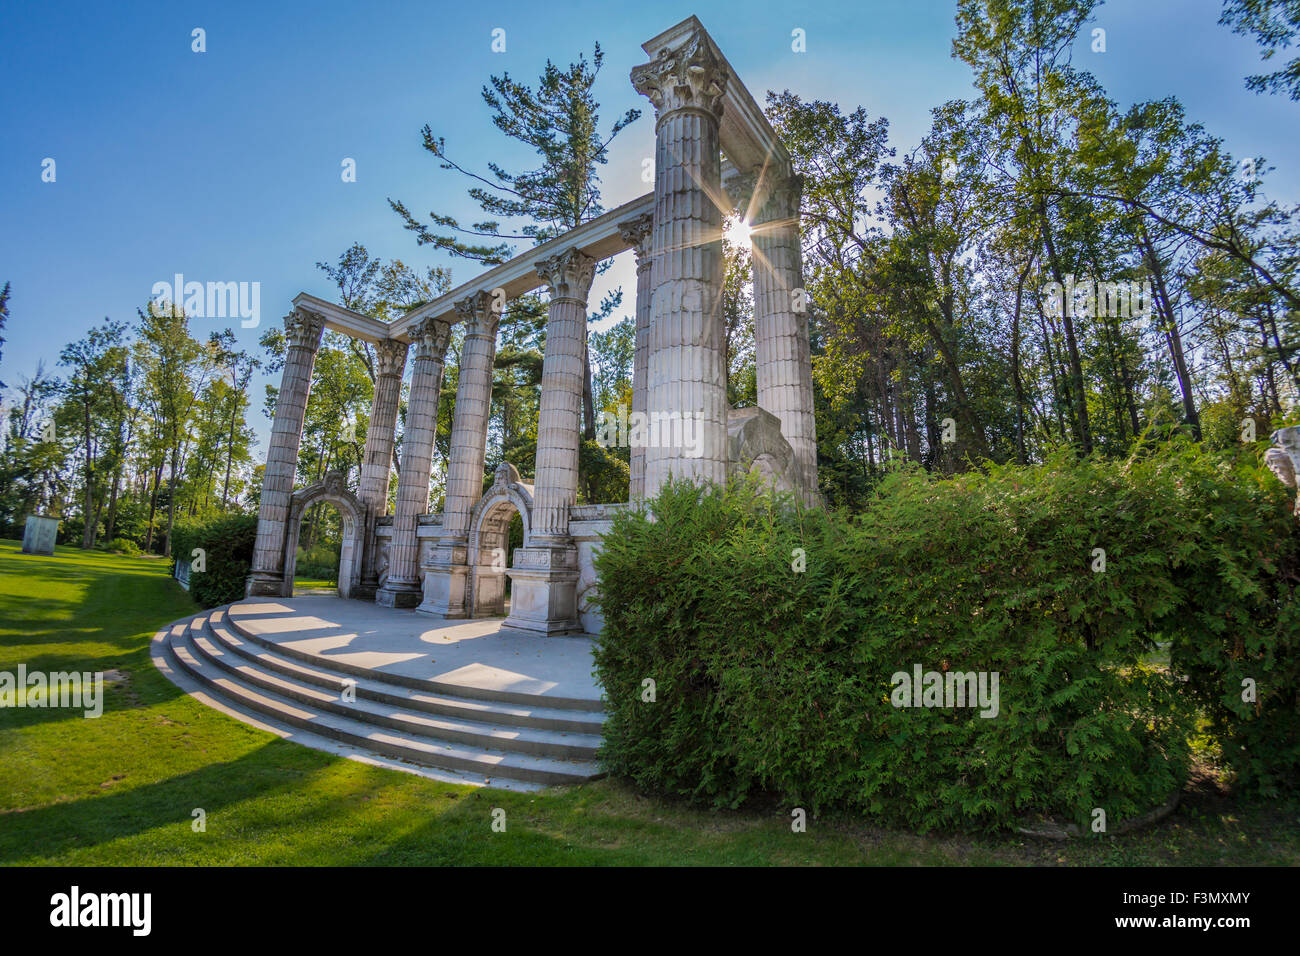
{"x": 39, "y": 533}
{"x": 544, "y": 590}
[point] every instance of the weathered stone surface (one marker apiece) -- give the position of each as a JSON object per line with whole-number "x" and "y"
{"x": 39, "y": 532}
{"x": 303, "y": 330}
{"x": 686, "y": 369}
{"x": 639, "y": 232}
{"x": 445, "y": 580}
{"x": 403, "y": 587}
{"x": 755, "y": 444}
{"x": 559, "y": 421}
{"x": 377, "y": 464}
{"x": 783, "y": 357}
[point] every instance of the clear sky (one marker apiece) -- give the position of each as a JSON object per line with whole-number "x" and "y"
{"x": 225, "y": 165}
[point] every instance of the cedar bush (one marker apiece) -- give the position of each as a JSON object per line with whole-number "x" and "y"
{"x": 228, "y": 541}
{"x": 777, "y": 681}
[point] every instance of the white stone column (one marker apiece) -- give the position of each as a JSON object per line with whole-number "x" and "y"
{"x": 544, "y": 575}
{"x": 303, "y": 331}
{"x": 377, "y": 464}
{"x": 402, "y": 587}
{"x": 638, "y": 233}
{"x": 783, "y": 356}
{"x": 445, "y": 577}
{"x": 687, "y": 373}
{"x": 568, "y": 276}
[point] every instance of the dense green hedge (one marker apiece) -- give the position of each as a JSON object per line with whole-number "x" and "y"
{"x": 770, "y": 679}
{"x": 228, "y": 545}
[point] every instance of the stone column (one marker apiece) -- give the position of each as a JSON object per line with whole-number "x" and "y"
{"x": 544, "y": 578}
{"x": 377, "y": 465}
{"x": 638, "y": 233}
{"x": 446, "y": 575}
{"x": 687, "y": 362}
{"x": 402, "y": 588}
{"x": 783, "y": 357}
{"x": 303, "y": 330}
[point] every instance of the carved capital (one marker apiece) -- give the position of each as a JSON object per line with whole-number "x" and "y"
{"x": 691, "y": 76}
{"x": 430, "y": 338}
{"x": 303, "y": 329}
{"x": 740, "y": 190}
{"x": 779, "y": 200}
{"x": 637, "y": 232}
{"x": 481, "y": 312}
{"x": 568, "y": 274}
{"x": 390, "y": 357}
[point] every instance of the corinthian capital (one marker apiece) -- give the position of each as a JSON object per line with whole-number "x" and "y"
{"x": 637, "y": 233}
{"x": 568, "y": 274}
{"x": 303, "y": 329}
{"x": 430, "y": 338}
{"x": 482, "y": 313}
{"x": 390, "y": 357}
{"x": 692, "y": 75}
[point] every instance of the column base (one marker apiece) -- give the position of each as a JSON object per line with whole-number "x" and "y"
{"x": 264, "y": 584}
{"x": 446, "y": 582}
{"x": 398, "y": 595}
{"x": 544, "y": 590}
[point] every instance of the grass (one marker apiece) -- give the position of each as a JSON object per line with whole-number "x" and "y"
{"x": 121, "y": 789}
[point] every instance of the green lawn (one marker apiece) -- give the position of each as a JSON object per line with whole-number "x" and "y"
{"x": 120, "y": 789}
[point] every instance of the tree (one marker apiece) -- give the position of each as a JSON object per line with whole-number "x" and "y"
{"x": 1275, "y": 24}
{"x": 559, "y": 121}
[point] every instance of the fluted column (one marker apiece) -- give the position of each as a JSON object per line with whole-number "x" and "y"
{"x": 568, "y": 275}
{"x": 783, "y": 356}
{"x": 377, "y": 464}
{"x": 638, "y": 233}
{"x": 303, "y": 331}
{"x": 402, "y": 588}
{"x": 686, "y": 372}
{"x": 445, "y": 577}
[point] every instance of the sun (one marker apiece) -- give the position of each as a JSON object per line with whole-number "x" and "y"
{"x": 738, "y": 233}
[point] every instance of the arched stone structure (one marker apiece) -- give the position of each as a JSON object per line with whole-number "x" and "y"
{"x": 715, "y": 154}
{"x": 489, "y": 539}
{"x": 333, "y": 490}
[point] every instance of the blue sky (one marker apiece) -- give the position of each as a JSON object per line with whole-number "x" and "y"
{"x": 225, "y": 165}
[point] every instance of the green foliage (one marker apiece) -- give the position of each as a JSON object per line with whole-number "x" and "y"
{"x": 122, "y": 546}
{"x": 227, "y": 542}
{"x": 320, "y": 561}
{"x": 769, "y": 679}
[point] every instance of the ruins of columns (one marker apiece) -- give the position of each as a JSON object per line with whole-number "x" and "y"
{"x": 638, "y": 234}
{"x": 687, "y": 361}
{"x": 685, "y": 427}
{"x": 545, "y": 574}
{"x": 783, "y": 356}
{"x": 377, "y": 464}
{"x": 403, "y": 586}
{"x": 447, "y": 574}
{"x": 303, "y": 334}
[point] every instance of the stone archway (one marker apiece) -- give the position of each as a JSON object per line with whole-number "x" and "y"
{"x": 489, "y": 539}
{"x": 333, "y": 490}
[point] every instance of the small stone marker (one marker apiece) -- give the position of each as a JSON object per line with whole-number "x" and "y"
{"x": 38, "y": 534}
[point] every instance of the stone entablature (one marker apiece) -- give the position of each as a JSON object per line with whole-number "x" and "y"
{"x": 448, "y": 564}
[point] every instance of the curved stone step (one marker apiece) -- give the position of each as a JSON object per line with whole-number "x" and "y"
{"x": 160, "y": 653}
{"x": 546, "y": 743}
{"x": 446, "y": 705}
{"x": 403, "y": 680}
{"x": 490, "y": 764}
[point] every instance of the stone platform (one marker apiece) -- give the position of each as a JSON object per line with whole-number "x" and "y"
{"x": 465, "y": 701}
